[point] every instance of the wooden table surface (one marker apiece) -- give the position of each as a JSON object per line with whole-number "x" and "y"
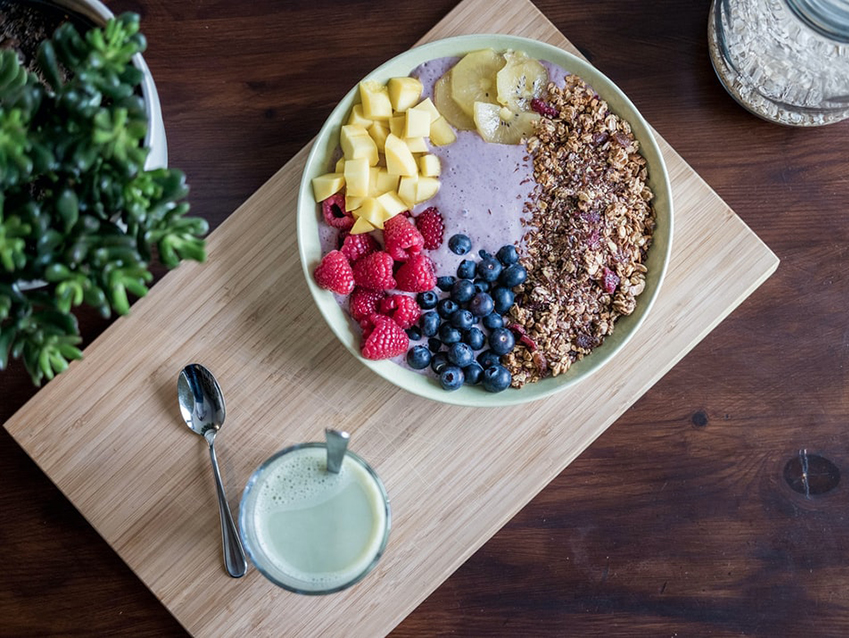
{"x": 689, "y": 515}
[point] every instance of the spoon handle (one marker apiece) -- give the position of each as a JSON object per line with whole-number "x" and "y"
{"x": 234, "y": 555}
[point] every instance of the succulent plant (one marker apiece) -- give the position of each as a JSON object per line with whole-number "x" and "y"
{"x": 78, "y": 211}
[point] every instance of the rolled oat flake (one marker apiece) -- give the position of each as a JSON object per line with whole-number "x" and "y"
{"x": 786, "y": 61}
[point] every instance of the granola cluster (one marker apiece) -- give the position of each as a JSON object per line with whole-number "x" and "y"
{"x": 591, "y": 223}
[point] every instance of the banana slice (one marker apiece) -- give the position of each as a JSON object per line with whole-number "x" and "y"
{"x": 520, "y": 80}
{"x": 473, "y": 79}
{"x": 500, "y": 125}
{"x": 446, "y": 105}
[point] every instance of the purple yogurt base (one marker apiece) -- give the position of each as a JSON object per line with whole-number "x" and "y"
{"x": 482, "y": 194}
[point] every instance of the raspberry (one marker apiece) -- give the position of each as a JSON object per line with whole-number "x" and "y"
{"x": 431, "y": 226}
{"x": 364, "y": 302}
{"x": 416, "y": 275}
{"x": 401, "y": 238}
{"x": 403, "y": 309}
{"x": 609, "y": 281}
{"x": 334, "y": 273}
{"x": 543, "y": 108}
{"x": 374, "y": 271}
{"x": 333, "y": 209}
{"x": 356, "y": 246}
{"x": 385, "y": 339}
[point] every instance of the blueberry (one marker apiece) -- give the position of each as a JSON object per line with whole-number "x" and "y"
{"x": 501, "y": 341}
{"x": 449, "y": 334}
{"x": 459, "y": 244}
{"x": 429, "y": 323}
{"x": 434, "y": 344}
{"x": 481, "y": 285}
{"x": 466, "y": 269}
{"x": 414, "y": 333}
{"x": 489, "y": 268}
{"x": 418, "y": 357}
{"x": 451, "y": 378}
{"x": 475, "y": 338}
{"x": 481, "y": 304}
{"x": 503, "y": 298}
{"x": 473, "y": 373}
{"x": 513, "y": 275}
{"x": 438, "y": 361}
{"x": 488, "y": 358}
{"x": 483, "y": 254}
{"x": 462, "y": 319}
{"x": 462, "y": 290}
{"x": 493, "y": 320}
{"x": 507, "y": 255}
{"x": 445, "y": 282}
{"x": 446, "y": 307}
{"x": 460, "y": 354}
{"x": 427, "y": 300}
{"x": 496, "y": 378}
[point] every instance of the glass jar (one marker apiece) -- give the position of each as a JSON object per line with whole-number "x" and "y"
{"x": 786, "y": 61}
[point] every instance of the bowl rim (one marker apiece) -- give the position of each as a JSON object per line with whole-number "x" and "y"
{"x": 473, "y": 396}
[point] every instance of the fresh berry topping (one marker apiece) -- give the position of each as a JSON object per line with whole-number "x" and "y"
{"x": 356, "y": 246}
{"x": 488, "y": 358}
{"x": 449, "y": 334}
{"x": 446, "y": 308}
{"x": 418, "y": 357}
{"x": 334, "y": 273}
{"x": 416, "y": 275}
{"x": 333, "y": 209}
{"x": 451, "y": 378}
{"x": 482, "y": 286}
{"x": 401, "y": 239}
{"x": 460, "y": 354}
{"x": 459, "y": 244}
{"x": 434, "y": 345}
{"x": 364, "y": 302}
{"x": 445, "y": 282}
{"x": 427, "y": 300}
{"x": 414, "y": 333}
{"x": 493, "y": 320}
{"x": 462, "y": 291}
{"x": 429, "y": 323}
{"x": 501, "y": 341}
{"x": 385, "y": 340}
{"x": 474, "y": 338}
{"x": 481, "y": 304}
{"x": 466, "y": 269}
{"x": 431, "y": 226}
{"x": 543, "y": 108}
{"x": 473, "y": 373}
{"x": 489, "y": 268}
{"x": 496, "y": 378}
{"x": 462, "y": 320}
{"x": 507, "y": 255}
{"x": 609, "y": 281}
{"x": 374, "y": 271}
{"x": 403, "y": 309}
{"x": 438, "y": 361}
{"x": 502, "y": 297}
{"x": 513, "y": 275}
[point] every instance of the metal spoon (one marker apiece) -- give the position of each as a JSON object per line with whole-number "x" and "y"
{"x": 337, "y": 443}
{"x": 202, "y": 407}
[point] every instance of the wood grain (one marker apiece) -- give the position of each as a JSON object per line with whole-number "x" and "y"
{"x": 632, "y": 530}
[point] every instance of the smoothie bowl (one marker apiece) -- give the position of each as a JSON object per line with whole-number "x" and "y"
{"x": 477, "y": 215}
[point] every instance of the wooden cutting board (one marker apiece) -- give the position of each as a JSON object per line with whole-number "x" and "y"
{"x": 108, "y": 431}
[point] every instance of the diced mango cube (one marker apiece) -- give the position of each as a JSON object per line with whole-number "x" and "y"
{"x": 399, "y": 159}
{"x": 441, "y": 132}
{"x": 391, "y": 203}
{"x": 426, "y": 187}
{"x": 361, "y": 225}
{"x": 340, "y": 165}
{"x": 416, "y": 123}
{"x": 326, "y": 185}
{"x": 416, "y": 144}
{"x": 378, "y": 131}
{"x": 357, "y": 116}
{"x": 404, "y": 92}
{"x": 407, "y": 190}
{"x": 385, "y": 181}
{"x": 428, "y": 107}
{"x": 372, "y": 212}
{"x": 397, "y": 124}
{"x": 357, "y": 177}
{"x": 429, "y": 165}
{"x": 355, "y": 144}
{"x": 375, "y": 99}
{"x": 353, "y": 203}
{"x": 373, "y": 188}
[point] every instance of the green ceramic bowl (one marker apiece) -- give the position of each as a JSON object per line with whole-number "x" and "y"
{"x": 309, "y": 216}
